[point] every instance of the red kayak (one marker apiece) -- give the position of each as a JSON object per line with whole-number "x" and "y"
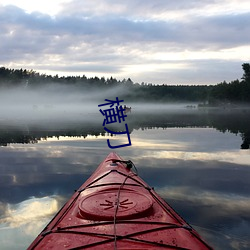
{"x": 116, "y": 209}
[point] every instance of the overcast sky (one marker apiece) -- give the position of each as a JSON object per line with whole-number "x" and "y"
{"x": 154, "y": 41}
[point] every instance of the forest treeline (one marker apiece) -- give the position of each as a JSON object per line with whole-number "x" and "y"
{"x": 236, "y": 91}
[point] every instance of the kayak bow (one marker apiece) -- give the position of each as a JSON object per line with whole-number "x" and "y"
{"x": 116, "y": 209}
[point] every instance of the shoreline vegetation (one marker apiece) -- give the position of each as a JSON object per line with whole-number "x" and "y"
{"x": 226, "y": 95}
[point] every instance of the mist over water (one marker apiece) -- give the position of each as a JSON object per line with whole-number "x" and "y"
{"x": 45, "y": 103}
{"x": 59, "y": 109}
{"x": 60, "y": 102}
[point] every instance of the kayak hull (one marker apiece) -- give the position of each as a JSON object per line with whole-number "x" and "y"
{"x": 116, "y": 209}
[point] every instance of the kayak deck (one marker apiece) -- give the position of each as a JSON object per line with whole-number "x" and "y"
{"x": 116, "y": 209}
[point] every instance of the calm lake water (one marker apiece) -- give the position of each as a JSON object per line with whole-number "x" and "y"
{"x": 197, "y": 160}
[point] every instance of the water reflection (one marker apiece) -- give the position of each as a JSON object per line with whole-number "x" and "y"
{"x": 23, "y": 131}
{"x": 29, "y": 210}
{"x": 193, "y": 161}
{"x": 21, "y": 221}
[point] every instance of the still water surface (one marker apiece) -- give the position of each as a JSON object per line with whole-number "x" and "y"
{"x": 193, "y": 159}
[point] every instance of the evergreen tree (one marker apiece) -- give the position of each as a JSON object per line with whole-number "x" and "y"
{"x": 246, "y": 69}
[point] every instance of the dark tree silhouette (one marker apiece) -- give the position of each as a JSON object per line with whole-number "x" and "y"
{"x": 220, "y": 94}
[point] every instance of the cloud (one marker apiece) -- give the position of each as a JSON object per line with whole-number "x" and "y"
{"x": 115, "y": 38}
{"x": 143, "y": 10}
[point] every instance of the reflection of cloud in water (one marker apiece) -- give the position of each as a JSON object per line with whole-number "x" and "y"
{"x": 153, "y": 145}
{"x": 226, "y": 216}
{"x": 164, "y": 146}
{"x": 29, "y": 212}
{"x": 187, "y": 139}
{"x": 237, "y": 157}
{"x": 227, "y": 240}
{"x": 22, "y": 222}
{"x": 229, "y": 203}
